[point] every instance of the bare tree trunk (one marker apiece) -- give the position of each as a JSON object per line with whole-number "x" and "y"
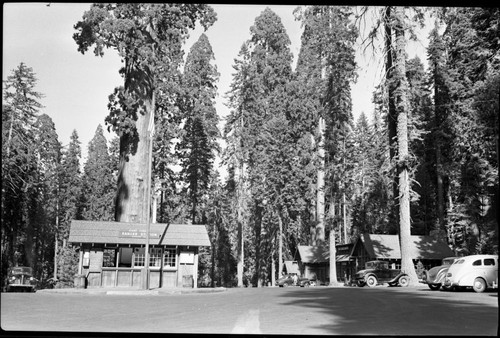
{"x": 320, "y": 192}
{"x": 56, "y": 246}
{"x": 241, "y": 242}
{"x": 280, "y": 246}
{"x": 406, "y": 244}
{"x": 131, "y": 200}
{"x": 273, "y": 269}
{"x": 333, "y": 250}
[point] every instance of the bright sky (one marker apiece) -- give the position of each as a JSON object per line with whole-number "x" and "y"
{"x": 76, "y": 86}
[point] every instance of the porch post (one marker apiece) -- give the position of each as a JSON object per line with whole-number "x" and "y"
{"x": 195, "y": 272}
{"x": 80, "y": 261}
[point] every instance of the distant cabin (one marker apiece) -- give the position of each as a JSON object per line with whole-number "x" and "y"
{"x": 112, "y": 254}
{"x": 314, "y": 261}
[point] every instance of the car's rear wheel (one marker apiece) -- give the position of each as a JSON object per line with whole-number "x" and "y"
{"x": 312, "y": 283}
{"x": 371, "y": 281}
{"x": 306, "y": 284}
{"x": 479, "y": 285}
{"x": 360, "y": 283}
{"x": 285, "y": 284}
{"x": 447, "y": 287}
{"x": 404, "y": 281}
{"x": 434, "y": 287}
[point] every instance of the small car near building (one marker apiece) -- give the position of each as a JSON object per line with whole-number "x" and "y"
{"x": 378, "y": 272}
{"x": 21, "y": 279}
{"x": 435, "y": 276}
{"x": 477, "y": 271}
{"x": 288, "y": 280}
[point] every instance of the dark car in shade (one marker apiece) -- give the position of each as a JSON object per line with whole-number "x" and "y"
{"x": 288, "y": 280}
{"x": 20, "y": 278}
{"x": 378, "y": 272}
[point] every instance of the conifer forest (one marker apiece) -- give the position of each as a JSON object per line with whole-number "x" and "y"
{"x": 298, "y": 168}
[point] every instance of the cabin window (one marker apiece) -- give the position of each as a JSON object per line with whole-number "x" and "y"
{"x": 154, "y": 257}
{"x": 169, "y": 258}
{"x": 109, "y": 258}
{"x": 139, "y": 257}
{"x": 476, "y": 263}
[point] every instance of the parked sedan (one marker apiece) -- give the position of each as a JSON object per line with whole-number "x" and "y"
{"x": 378, "y": 272}
{"x": 21, "y": 279}
{"x": 435, "y": 277}
{"x": 288, "y": 280}
{"x": 477, "y": 271}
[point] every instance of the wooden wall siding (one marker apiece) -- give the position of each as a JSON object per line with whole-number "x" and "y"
{"x": 136, "y": 278}
{"x": 108, "y": 278}
{"x": 154, "y": 278}
{"x": 169, "y": 279}
{"x": 94, "y": 280}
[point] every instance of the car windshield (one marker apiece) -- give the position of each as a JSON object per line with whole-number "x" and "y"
{"x": 21, "y": 270}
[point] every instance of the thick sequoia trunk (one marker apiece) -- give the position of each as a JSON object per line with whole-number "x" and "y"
{"x": 402, "y": 132}
{"x": 132, "y": 200}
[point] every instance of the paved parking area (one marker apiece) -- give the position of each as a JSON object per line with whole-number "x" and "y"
{"x": 306, "y": 311}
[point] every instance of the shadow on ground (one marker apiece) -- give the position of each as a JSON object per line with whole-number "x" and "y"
{"x": 401, "y": 311}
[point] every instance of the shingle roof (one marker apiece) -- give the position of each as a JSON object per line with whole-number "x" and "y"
{"x": 387, "y": 247}
{"x": 381, "y": 247}
{"x": 314, "y": 254}
{"x": 134, "y": 233}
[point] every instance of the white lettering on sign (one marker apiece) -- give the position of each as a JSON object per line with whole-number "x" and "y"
{"x": 138, "y": 234}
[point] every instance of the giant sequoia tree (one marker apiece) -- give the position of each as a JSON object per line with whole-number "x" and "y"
{"x": 20, "y": 174}
{"x": 149, "y": 39}
{"x": 98, "y": 184}
{"x": 198, "y": 144}
{"x": 257, "y": 131}
{"x": 326, "y": 68}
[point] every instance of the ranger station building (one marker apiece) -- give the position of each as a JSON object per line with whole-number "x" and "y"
{"x": 112, "y": 254}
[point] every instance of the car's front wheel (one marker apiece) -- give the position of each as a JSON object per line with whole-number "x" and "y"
{"x": 371, "y": 281}
{"x": 360, "y": 283}
{"x": 479, "y": 285}
{"x": 447, "y": 287}
{"x": 404, "y": 281}
{"x": 285, "y": 284}
{"x": 306, "y": 284}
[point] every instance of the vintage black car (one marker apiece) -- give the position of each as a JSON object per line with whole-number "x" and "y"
{"x": 21, "y": 279}
{"x": 378, "y": 272}
{"x": 435, "y": 276}
{"x": 288, "y": 280}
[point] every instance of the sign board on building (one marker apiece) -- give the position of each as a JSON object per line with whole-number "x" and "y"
{"x": 137, "y": 234}
{"x": 186, "y": 257}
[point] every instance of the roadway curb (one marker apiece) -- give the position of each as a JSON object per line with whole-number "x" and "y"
{"x": 117, "y": 291}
